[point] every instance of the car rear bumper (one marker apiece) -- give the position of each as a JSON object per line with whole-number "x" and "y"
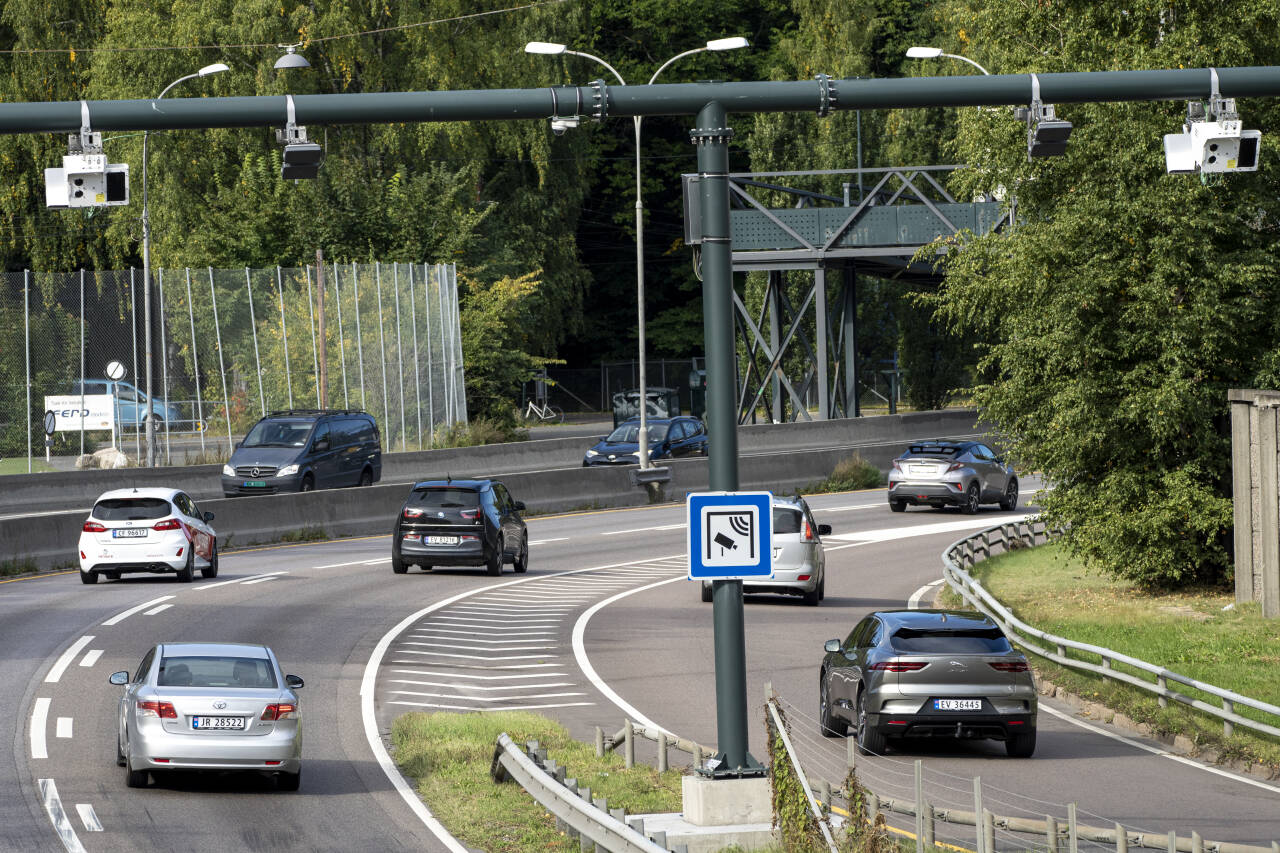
{"x": 953, "y": 725}
{"x": 200, "y": 752}
{"x": 471, "y": 553}
{"x": 933, "y": 494}
{"x": 784, "y": 582}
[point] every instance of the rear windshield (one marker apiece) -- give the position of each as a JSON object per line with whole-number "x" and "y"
{"x": 931, "y": 450}
{"x": 131, "y": 509}
{"x": 630, "y": 433}
{"x": 231, "y": 672}
{"x": 786, "y": 520}
{"x": 278, "y": 434}
{"x": 445, "y": 497}
{"x": 958, "y": 641}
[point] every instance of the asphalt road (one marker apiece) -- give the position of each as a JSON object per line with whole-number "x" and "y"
{"x": 459, "y": 639}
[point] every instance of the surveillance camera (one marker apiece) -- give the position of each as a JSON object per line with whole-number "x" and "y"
{"x": 560, "y": 125}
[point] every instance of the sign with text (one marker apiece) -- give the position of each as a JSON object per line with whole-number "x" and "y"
{"x": 729, "y": 535}
{"x": 72, "y": 413}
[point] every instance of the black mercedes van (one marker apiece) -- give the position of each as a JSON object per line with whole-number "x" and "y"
{"x": 304, "y": 449}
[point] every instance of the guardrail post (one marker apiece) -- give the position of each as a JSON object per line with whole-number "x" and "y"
{"x": 825, "y": 793}
{"x": 928, "y": 826}
{"x": 1106, "y": 662}
{"x": 919, "y": 773}
{"x": 850, "y": 754}
{"x": 1122, "y": 840}
{"x": 629, "y": 745}
{"x": 1163, "y": 685}
{"x": 988, "y": 831}
{"x": 662, "y": 752}
{"x": 977, "y": 814}
{"x": 659, "y": 838}
{"x": 1173, "y": 842}
{"x": 1197, "y": 843}
{"x": 1228, "y": 727}
{"x": 636, "y": 823}
{"x": 1051, "y": 833}
{"x": 873, "y": 807}
{"x": 1073, "y": 839}
{"x": 697, "y": 755}
{"x": 599, "y": 742}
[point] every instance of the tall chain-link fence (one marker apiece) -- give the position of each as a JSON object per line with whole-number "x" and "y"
{"x": 229, "y": 346}
{"x": 591, "y": 389}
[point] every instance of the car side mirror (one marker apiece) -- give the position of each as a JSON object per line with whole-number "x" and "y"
{"x": 322, "y": 444}
{"x": 519, "y": 506}
{"x": 208, "y": 516}
{"x": 119, "y": 678}
{"x": 293, "y": 682}
{"x": 824, "y": 529}
{"x": 831, "y": 646}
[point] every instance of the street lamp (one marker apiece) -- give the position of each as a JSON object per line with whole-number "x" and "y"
{"x": 149, "y": 419}
{"x": 935, "y": 52}
{"x": 291, "y": 59}
{"x": 552, "y": 49}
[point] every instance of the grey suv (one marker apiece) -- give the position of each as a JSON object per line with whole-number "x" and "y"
{"x": 942, "y": 473}
{"x": 927, "y": 674}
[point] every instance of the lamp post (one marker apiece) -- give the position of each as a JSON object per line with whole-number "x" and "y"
{"x": 551, "y": 48}
{"x": 935, "y": 52}
{"x": 149, "y": 418}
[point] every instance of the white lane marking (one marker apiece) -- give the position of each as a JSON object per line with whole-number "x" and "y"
{"x": 580, "y": 653}
{"x": 484, "y": 698}
{"x": 513, "y": 635}
{"x": 643, "y": 529}
{"x": 91, "y": 657}
{"x": 376, "y": 562}
{"x": 89, "y": 817}
{"x": 39, "y": 721}
{"x": 260, "y": 580}
{"x": 464, "y": 647}
{"x": 892, "y": 533}
{"x": 475, "y": 657}
{"x": 913, "y": 603}
{"x": 545, "y": 541}
{"x": 64, "y": 660}
{"x": 829, "y": 548}
{"x": 235, "y": 580}
{"x": 120, "y": 617}
{"x": 58, "y": 815}
{"x": 503, "y": 708}
{"x": 153, "y": 611}
{"x": 490, "y": 624}
{"x": 478, "y": 677}
{"x": 455, "y": 686}
{"x": 63, "y": 727}
{"x": 339, "y": 565}
{"x": 486, "y": 668}
{"x": 845, "y": 508}
{"x": 1160, "y": 752}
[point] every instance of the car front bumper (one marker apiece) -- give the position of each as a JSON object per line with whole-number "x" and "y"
{"x": 233, "y": 486}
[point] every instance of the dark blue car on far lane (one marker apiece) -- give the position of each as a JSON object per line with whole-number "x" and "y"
{"x": 669, "y": 438}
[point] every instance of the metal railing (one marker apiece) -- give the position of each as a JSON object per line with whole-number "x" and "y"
{"x": 964, "y": 553}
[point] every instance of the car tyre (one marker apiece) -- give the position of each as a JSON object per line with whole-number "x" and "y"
{"x": 813, "y": 596}
{"x": 971, "y": 500}
{"x": 829, "y": 725}
{"x": 88, "y": 577}
{"x": 289, "y": 781}
{"x": 898, "y": 506}
{"x": 211, "y": 571}
{"x": 185, "y": 573}
{"x": 494, "y": 564}
{"x": 398, "y": 565}
{"x": 308, "y": 484}
{"x": 366, "y": 478}
{"x": 822, "y": 586}
{"x": 870, "y": 741}
{"x": 707, "y": 594}
{"x": 134, "y": 778}
{"x": 1010, "y": 500}
{"x": 120, "y": 762}
{"x": 521, "y": 562}
{"x": 1021, "y": 745}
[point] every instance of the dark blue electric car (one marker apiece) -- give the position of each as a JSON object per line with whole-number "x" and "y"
{"x": 669, "y": 438}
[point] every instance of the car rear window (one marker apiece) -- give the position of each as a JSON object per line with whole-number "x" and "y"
{"x": 445, "y": 497}
{"x": 131, "y": 509}
{"x": 230, "y": 672}
{"x": 931, "y": 450}
{"x": 786, "y": 520}
{"x": 955, "y": 641}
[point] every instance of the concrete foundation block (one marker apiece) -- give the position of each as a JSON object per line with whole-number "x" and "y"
{"x": 725, "y": 802}
{"x": 710, "y": 839}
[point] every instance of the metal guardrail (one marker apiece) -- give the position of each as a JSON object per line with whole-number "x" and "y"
{"x": 589, "y": 817}
{"x": 964, "y": 553}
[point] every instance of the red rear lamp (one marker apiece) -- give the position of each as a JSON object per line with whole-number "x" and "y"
{"x": 470, "y": 514}
{"x": 803, "y": 577}
{"x": 167, "y": 524}
{"x": 1009, "y": 665}
{"x": 280, "y": 711}
{"x": 899, "y": 666}
{"x": 410, "y": 512}
{"x": 808, "y": 531}
{"x": 93, "y": 527}
{"x": 153, "y": 708}
{"x": 897, "y": 465}
{"x": 160, "y": 760}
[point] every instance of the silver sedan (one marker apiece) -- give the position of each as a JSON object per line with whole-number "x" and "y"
{"x": 209, "y": 706}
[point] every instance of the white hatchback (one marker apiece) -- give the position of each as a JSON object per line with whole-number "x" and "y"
{"x": 147, "y": 530}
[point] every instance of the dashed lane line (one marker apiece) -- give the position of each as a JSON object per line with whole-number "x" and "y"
{"x": 120, "y": 617}
{"x": 153, "y": 611}
{"x": 58, "y": 815}
{"x": 64, "y": 660}
{"x": 235, "y": 580}
{"x": 63, "y": 727}
{"x": 89, "y": 817}
{"x": 91, "y": 657}
{"x": 39, "y": 722}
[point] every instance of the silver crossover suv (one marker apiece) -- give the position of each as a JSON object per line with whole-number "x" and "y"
{"x": 209, "y": 706}
{"x": 799, "y": 564}
{"x": 951, "y": 473}
{"x": 927, "y": 673}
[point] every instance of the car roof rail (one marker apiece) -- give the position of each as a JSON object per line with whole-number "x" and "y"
{"x": 284, "y": 413}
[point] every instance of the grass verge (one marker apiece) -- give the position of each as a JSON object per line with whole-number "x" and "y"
{"x": 18, "y": 566}
{"x": 306, "y": 533}
{"x": 18, "y": 465}
{"x": 449, "y": 755}
{"x": 1188, "y": 632}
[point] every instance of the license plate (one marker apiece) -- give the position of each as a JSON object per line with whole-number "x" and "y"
{"x": 129, "y": 533}
{"x": 442, "y": 540}
{"x": 234, "y": 723}
{"x": 254, "y": 484}
{"x": 921, "y": 469}
{"x": 957, "y": 704}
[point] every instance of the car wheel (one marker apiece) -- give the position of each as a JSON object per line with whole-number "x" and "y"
{"x": 289, "y": 781}
{"x": 813, "y": 596}
{"x": 134, "y": 778}
{"x": 88, "y": 577}
{"x": 707, "y": 595}
{"x": 366, "y": 478}
{"x": 898, "y": 506}
{"x": 521, "y": 561}
{"x": 829, "y": 725}
{"x": 211, "y": 571}
{"x": 870, "y": 741}
{"x": 1021, "y": 746}
{"x": 494, "y": 564}
{"x": 398, "y": 565}
{"x": 185, "y": 573}
{"x": 119, "y": 753}
{"x": 971, "y": 500}
{"x": 822, "y": 586}
{"x": 308, "y": 484}
{"x": 1010, "y": 500}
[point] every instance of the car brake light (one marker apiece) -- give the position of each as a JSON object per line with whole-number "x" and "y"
{"x": 409, "y": 512}
{"x": 808, "y": 531}
{"x": 280, "y": 711}
{"x": 897, "y": 466}
{"x": 167, "y": 524}
{"x": 152, "y": 708}
{"x": 94, "y": 527}
{"x": 469, "y": 514}
{"x": 899, "y": 666}
{"x": 1009, "y": 665}
{"x": 954, "y": 466}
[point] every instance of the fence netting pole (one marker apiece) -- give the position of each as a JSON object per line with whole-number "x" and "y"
{"x": 315, "y": 353}
{"x": 355, "y": 282}
{"x": 284, "y": 336}
{"x": 382, "y": 351}
{"x": 395, "y": 282}
{"x": 164, "y": 374}
{"x": 195, "y": 364}
{"x": 26, "y": 348}
{"x": 342, "y": 345}
{"x": 222, "y": 368}
{"x": 417, "y": 368}
{"x": 253, "y": 328}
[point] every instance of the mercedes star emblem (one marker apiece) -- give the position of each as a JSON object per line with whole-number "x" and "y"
{"x": 254, "y": 472}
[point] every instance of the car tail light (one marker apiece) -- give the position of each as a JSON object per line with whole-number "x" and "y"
{"x": 153, "y": 708}
{"x": 804, "y": 577}
{"x": 899, "y": 666}
{"x": 897, "y": 466}
{"x": 954, "y": 466}
{"x": 470, "y": 514}
{"x": 1009, "y": 665}
{"x": 167, "y": 524}
{"x": 280, "y": 711}
{"x": 410, "y": 512}
{"x": 808, "y": 531}
{"x": 94, "y": 527}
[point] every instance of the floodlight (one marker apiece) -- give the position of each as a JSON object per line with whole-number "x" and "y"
{"x": 924, "y": 52}
{"x": 213, "y": 69}
{"x": 547, "y": 47}
{"x": 291, "y": 59}
{"x": 731, "y": 43}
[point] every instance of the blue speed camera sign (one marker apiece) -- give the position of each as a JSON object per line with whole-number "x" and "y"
{"x": 730, "y": 535}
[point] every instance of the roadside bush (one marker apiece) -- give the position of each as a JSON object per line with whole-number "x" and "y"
{"x": 850, "y": 474}
{"x": 477, "y": 432}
